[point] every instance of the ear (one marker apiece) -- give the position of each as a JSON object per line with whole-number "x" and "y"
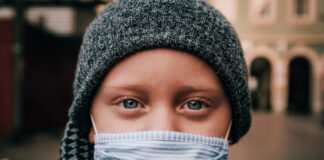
{"x": 91, "y": 136}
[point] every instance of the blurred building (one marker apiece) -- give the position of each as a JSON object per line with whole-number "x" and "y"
{"x": 283, "y": 43}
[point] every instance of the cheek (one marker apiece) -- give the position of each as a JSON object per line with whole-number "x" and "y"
{"x": 104, "y": 118}
{"x": 109, "y": 120}
{"x": 215, "y": 125}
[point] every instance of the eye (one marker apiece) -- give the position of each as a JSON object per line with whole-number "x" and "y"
{"x": 194, "y": 105}
{"x": 130, "y": 104}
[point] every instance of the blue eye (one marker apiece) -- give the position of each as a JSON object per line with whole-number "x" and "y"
{"x": 130, "y": 104}
{"x": 194, "y": 105}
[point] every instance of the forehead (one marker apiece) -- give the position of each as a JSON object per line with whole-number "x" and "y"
{"x": 162, "y": 67}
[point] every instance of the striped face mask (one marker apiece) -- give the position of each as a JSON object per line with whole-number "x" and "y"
{"x": 155, "y": 145}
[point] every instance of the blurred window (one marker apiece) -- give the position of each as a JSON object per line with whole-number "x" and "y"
{"x": 99, "y": 8}
{"x": 262, "y": 12}
{"x": 301, "y": 7}
{"x": 229, "y": 8}
{"x": 301, "y": 12}
{"x": 6, "y": 13}
{"x": 58, "y": 20}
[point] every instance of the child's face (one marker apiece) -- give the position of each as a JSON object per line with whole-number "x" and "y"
{"x": 161, "y": 89}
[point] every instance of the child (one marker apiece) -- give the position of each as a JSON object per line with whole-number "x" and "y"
{"x": 158, "y": 79}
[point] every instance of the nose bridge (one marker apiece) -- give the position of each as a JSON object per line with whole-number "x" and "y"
{"x": 163, "y": 117}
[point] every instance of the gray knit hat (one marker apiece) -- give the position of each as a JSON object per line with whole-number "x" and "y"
{"x": 128, "y": 26}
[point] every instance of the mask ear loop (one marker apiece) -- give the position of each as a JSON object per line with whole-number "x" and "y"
{"x": 228, "y": 131}
{"x": 93, "y": 124}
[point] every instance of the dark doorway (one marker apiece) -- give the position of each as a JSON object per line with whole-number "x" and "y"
{"x": 261, "y": 70}
{"x": 299, "y": 86}
{"x": 49, "y": 71}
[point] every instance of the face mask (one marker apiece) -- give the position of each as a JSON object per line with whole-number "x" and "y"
{"x": 158, "y": 145}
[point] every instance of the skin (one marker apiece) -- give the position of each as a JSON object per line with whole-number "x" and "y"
{"x": 168, "y": 90}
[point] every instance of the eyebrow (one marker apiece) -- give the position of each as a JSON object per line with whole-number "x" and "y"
{"x": 188, "y": 89}
{"x": 211, "y": 93}
{"x": 126, "y": 87}
{"x": 185, "y": 89}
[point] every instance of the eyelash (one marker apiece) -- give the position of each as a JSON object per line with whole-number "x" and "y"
{"x": 198, "y": 99}
{"x": 121, "y": 99}
{"x": 204, "y": 101}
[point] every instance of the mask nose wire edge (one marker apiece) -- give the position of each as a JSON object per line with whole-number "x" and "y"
{"x": 96, "y": 131}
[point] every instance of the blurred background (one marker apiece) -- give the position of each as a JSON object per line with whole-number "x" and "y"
{"x": 283, "y": 42}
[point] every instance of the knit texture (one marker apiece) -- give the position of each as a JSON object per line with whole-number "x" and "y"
{"x": 128, "y": 26}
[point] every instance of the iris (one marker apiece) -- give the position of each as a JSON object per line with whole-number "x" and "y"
{"x": 130, "y": 104}
{"x": 194, "y": 105}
